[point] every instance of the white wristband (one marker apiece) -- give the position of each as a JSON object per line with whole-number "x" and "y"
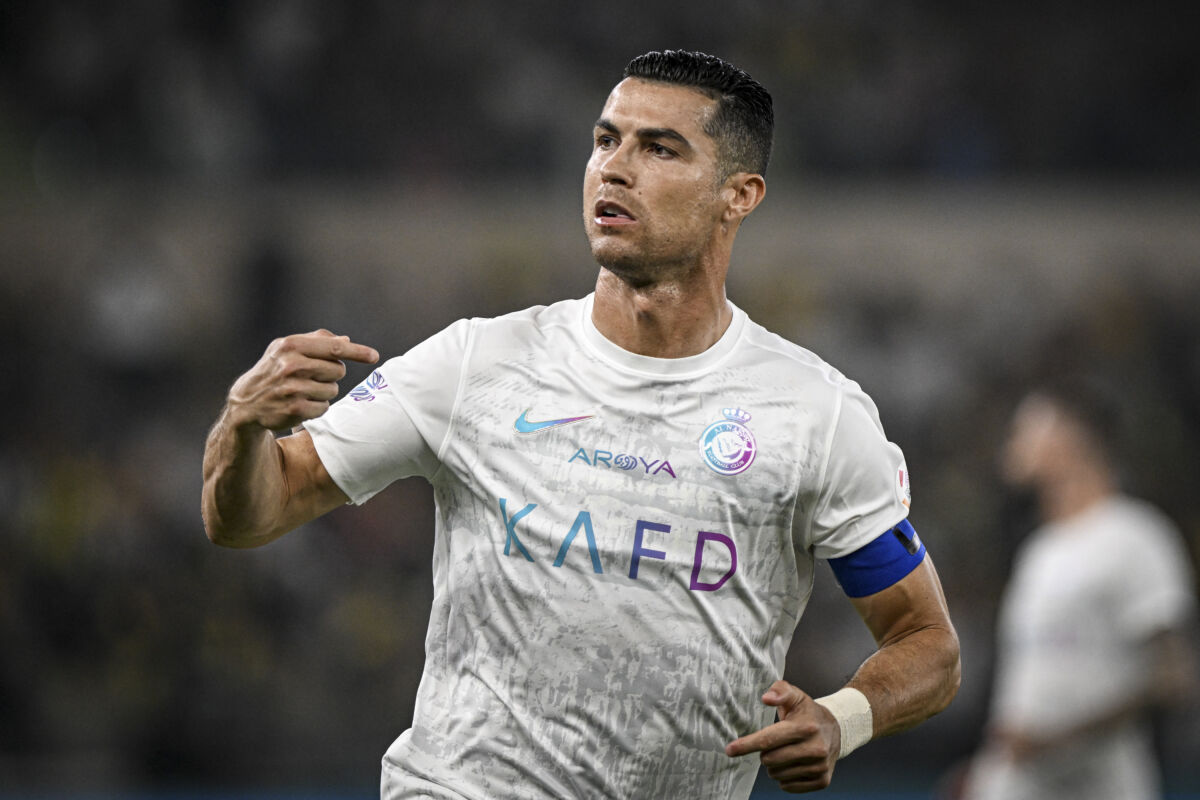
{"x": 852, "y": 711}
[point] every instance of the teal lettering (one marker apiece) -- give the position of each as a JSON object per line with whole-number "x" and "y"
{"x": 510, "y": 523}
{"x": 607, "y": 458}
{"x": 580, "y": 453}
{"x": 584, "y": 520}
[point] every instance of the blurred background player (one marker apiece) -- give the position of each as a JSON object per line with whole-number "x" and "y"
{"x": 1092, "y": 624}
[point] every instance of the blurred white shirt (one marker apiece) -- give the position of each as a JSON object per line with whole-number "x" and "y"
{"x": 1086, "y": 596}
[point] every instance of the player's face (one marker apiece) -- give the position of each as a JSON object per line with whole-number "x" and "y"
{"x": 651, "y": 199}
{"x": 1042, "y": 442}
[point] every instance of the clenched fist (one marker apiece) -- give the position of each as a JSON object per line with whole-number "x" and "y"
{"x": 295, "y": 380}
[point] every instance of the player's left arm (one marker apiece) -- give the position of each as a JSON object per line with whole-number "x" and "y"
{"x": 915, "y": 671}
{"x": 913, "y": 674}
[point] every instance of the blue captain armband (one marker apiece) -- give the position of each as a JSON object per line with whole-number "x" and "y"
{"x": 881, "y": 562}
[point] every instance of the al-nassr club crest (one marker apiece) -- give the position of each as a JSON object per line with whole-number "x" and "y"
{"x": 727, "y": 445}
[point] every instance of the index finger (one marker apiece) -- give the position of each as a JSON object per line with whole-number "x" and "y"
{"x": 323, "y": 344}
{"x": 768, "y": 738}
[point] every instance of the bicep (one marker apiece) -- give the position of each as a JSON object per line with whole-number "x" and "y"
{"x": 310, "y": 490}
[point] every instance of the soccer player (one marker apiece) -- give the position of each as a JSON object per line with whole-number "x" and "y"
{"x": 632, "y": 490}
{"x": 1091, "y": 631}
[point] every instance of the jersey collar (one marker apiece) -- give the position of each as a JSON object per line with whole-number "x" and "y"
{"x": 660, "y": 367}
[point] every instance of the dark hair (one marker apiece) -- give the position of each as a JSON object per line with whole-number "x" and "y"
{"x": 1090, "y": 402}
{"x": 744, "y": 122}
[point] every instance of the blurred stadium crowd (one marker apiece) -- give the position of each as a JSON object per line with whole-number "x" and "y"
{"x": 963, "y": 200}
{"x": 248, "y": 90}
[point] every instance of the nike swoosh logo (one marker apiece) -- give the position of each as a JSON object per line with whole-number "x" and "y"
{"x": 526, "y": 426}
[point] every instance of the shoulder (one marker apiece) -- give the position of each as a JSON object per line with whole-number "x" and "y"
{"x": 811, "y": 382}
{"x": 1142, "y": 526}
{"x": 535, "y": 322}
{"x": 794, "y": 363}
{"x": 492, "y": 334}
{"x": 1148, "y": 551}
{"x": 1129, "y": 519}
{"x": 562, "y": 312}
{"x": 1120, "y": 536}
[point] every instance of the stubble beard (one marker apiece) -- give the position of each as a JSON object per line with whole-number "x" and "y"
{"x": 637, "y": 268}
{"x": 630, "y": 269}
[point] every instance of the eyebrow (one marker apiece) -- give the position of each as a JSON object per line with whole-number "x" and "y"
{"x": 648, "y": 133}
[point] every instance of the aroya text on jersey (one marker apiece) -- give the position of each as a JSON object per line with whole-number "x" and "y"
{"x": 624, "y": 461}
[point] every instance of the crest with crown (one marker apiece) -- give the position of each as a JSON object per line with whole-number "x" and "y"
{"x": 736, "y": 415}
{"x": 727, "y": 445}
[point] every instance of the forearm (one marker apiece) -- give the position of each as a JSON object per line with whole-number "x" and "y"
{"x": 915, "y": 671}
{"x": 911, "y": 679}
{"x": 257, "y": 487}
{"x": 245, "y": 489}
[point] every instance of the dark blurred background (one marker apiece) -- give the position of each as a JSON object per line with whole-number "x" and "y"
{"x": 965, "y": 197}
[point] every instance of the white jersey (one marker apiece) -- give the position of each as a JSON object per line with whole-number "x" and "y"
{"x": 1086, "y": 596}
{"x": 624, "y": 545}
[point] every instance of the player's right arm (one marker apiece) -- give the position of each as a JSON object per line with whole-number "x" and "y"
{"x": 258, "y": 487}
{"x": 1168, "y": 683}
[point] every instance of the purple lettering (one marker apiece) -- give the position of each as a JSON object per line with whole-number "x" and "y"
{"x": 639, "y": 551}
{"x": 708, "y": 536}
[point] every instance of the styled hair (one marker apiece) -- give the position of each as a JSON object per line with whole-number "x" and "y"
{"x": 744, "y": 122}
{"x": 1091, "y": 403}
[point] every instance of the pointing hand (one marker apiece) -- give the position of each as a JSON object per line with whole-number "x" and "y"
{"x": 295, "y": 379}
{"x": 801, "y": 748}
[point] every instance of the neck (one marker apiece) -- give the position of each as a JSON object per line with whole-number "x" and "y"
{"x": 672, "y": 319}
{"x": 1063, "y": 499}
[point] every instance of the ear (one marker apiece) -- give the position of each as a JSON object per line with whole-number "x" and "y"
{"x": 743, "y": 192}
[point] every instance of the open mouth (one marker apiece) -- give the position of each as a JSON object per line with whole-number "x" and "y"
{"x": 609, "y": 213}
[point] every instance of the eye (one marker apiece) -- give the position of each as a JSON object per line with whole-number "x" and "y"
{"x": 605, "y": 141}
{"x": 661, "y": 150}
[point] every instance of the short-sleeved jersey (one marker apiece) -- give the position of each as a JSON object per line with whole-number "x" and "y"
{"x": 624, "y": 544}
{"x": 1086, "y": 596}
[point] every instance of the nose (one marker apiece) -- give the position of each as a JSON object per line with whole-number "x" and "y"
{"x": 615, "y": 166}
